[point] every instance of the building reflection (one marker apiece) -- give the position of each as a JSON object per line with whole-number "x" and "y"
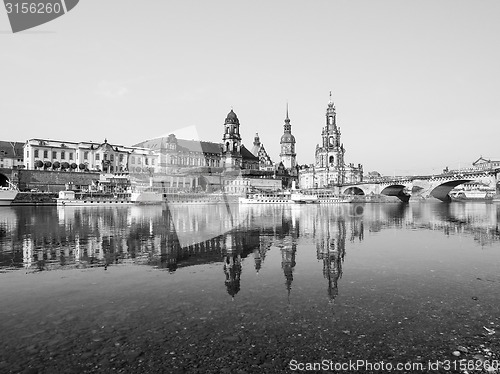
{"x": 232, "y": 266}
{"x": 171, "y": 239}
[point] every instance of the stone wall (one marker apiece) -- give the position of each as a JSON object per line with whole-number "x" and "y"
{"x": 53, "y": 181}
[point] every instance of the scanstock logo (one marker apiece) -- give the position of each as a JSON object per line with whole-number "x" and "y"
{"x": 24, "y": 14}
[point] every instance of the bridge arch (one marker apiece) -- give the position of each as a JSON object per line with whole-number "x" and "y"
{"x": 4, "y": 180}
{"x": 441, "y": 191}
{"x": 397, "y": 190}
{"x": 354, "y": 191}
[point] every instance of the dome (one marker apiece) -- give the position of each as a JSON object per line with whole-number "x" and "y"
{"x": 287, "y": 138}
{"x": 232, "y": 117}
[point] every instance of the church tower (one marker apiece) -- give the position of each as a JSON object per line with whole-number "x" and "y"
{"x": 287, "y": 142}
{"x": 331, "y": 154}
{"x": 231, "y": 148}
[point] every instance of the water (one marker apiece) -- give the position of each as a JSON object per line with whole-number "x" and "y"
{"x": 248, "y": 289}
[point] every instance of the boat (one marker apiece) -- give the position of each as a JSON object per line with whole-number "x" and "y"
{"x": 72, "y": 198}
{"x": 197, "y": 198}
{"x": 331, "y": 198}
{"x": 283, "y": 197}
{"x": 304, "y": 198}
{"x": 8, "y": 194}
{"x": 146, "y": 197}
{"x": 320, "y": 197}
{"x": 471, "y": 195}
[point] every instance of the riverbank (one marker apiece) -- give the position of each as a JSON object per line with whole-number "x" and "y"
{"x": 98, "y": 320}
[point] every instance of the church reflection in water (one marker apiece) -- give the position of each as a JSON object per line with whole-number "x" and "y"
{"x": 171, "y": 239}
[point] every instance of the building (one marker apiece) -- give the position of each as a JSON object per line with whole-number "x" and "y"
{"x": 258, "y": 150}
{"x": 287, "y": 142}
{"x": 168, "y": 163}
{"x": 175, "y": 155}
{"x": 330, "y": 168}
{"x": 179, "y": 155}
{"x": 11, "y": 155}
{"x": 486, "y": 164}
{"x": 48, "y": 154}
{"x": 287, "y": 169}
{"x": 234, "y": 155}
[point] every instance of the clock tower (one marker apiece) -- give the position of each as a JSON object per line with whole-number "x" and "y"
{"x": 287, "y": 142}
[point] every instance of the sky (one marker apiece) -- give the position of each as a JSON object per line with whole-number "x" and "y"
{"x": 416, "y": 84}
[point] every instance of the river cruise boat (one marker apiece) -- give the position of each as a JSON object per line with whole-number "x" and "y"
{"x": 319, "y": 197}
{"x": 72, "y": 198}
{"x": 267, "y": 198}
{"x": 7, "y": 195}
{"x": 328, "y": 197}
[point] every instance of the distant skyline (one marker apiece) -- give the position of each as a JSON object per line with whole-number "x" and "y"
{"x": 415, "y": 84}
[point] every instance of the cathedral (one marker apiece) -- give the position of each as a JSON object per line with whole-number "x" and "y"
{"x": 330, "y": 168}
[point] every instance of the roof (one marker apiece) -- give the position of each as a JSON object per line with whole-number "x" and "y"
{"x": 247, "y": 155}
{"x": 481, "y": 160}
{"x": 183, "y": 145}
{"x": 194, "y": 146}
{"x": 11, "y": 149}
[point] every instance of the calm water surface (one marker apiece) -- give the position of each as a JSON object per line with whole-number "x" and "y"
{"x": 246, "y": 289}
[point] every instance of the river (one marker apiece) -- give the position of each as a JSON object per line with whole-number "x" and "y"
{"x": 249, "y": 289}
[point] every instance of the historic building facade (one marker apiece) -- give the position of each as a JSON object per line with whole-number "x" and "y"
{"x": 49, "y": 154}
{"x": 258, "y": 150}
{"x": 11, "y": 154}
{"x": 330, "y": 168}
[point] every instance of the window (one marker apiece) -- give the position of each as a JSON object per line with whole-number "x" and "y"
{"x": 86, "y": 155}
{"x": 54, "y": 154}
{"x": 105, "y": 156}
{"x": 71, "y": 155}
{"x": 36, "y": 152}
{"x": 132, "y": 160}
{"x": 63, "y": 155}
{"x": 97, "y": 157}
{"x": 112, "y": 157}
{"x": 28, "y": 154}
{"x": 121, "y": 158}
{"x": 146, "y": 161}
{"x": 153, "y": 161}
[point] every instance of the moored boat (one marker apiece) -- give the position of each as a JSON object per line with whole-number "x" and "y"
{"x": 303, "y": 198}
{"x": 71, "y": 198}
{"x": 146, "y": 197}
{"x": 321, "y": 197}
{"x": 7, "y": 195}
{"x": 471, "y": 195}
{"x": 283, "y": 197}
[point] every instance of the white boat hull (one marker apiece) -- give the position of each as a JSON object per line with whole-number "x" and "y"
{"x": 146, "y": 197}
{"x": 89, "y": 202}
{"x": 7, "y": 197}
{"x": 245, "y": 200}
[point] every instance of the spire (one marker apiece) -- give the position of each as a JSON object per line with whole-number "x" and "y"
{"x": 287, "y": 127}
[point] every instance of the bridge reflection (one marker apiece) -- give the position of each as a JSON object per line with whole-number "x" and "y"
{"x": 44, "y": 239}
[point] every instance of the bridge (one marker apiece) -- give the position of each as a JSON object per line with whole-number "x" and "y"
{"x": 423, "y": 187}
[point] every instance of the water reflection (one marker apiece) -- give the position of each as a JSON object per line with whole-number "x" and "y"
{"x": 46, "y": 238}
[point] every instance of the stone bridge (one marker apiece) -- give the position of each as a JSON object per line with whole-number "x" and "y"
{"x": 423, "y": 187}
